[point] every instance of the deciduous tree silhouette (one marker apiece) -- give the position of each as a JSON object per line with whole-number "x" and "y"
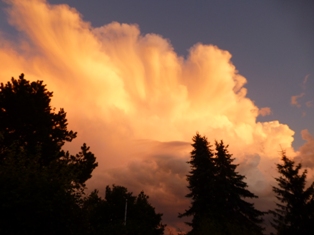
{"x": 36, "y": 199}
{"x": 27, "y": 119}
{"x": 41, "y": 186}
{"x": 106, "y": 216}
{"x": 295, "y": 211}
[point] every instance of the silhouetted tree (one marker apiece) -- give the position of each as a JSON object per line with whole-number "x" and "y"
{"x": 201, "y": 183}
{"x": 95, "y": 210}
{"x": 41, "y": 186}
{"x": 106, "y": 216}
{"x": 217, "y": 192}
{"x": 295, "y": 212}
{"x": 36, "y": 199}
{"x": 27, "y": 119}
{"x": 144, "y": 218}
{"x": 233, "y": 212}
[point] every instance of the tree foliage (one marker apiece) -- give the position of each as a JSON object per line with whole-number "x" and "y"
{"x": 201, "y": 182}
{"x": 106, "y": 216}
{"x": 231, "y": 190}
{"x": 27, "y": 119}
{"x": 295, "y": 212}
{"x": 36, "y": 199}
{"x": 41, "y": 186}
{"x": 217, "y": 193}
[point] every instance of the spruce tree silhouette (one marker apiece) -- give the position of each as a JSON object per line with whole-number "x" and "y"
{"x": 231, "y": 190}
{"x": 295, "y": 211}
{"x": 217, "y": 193}
{"x": 201, "y": 183}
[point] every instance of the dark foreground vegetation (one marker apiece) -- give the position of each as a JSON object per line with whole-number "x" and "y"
{"x": 217, "y": 193}
{"x": 42, "y": 187}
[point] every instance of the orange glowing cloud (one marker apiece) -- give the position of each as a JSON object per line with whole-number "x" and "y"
{"x": 294, "y": 100}
{"x": 306, "y": 152}
{"x": 265, "y": 111}
{"x": 137, "y": 103}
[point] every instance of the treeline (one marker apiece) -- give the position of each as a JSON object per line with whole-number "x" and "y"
{"x": 42, "y": 187}
{"x": 218, "y": 194}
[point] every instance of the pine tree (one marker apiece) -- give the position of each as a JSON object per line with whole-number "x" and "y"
{"x": 217, "y": 193}
{"x": 201, "y": 183}
{"x": 231, "y": 190}
{"x": 294, "y": 213}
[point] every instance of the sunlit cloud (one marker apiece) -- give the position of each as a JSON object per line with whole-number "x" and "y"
{"x": 265, "y": 111}
{"x": 306, "y": 151}
{"x": 138, "y": 104}
{"x": 294, "y": 100}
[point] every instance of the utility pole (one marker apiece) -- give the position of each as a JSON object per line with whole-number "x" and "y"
{"x": 125, "y": 211}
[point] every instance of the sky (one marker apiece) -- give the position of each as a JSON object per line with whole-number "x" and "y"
{"x": 139, "y": 78}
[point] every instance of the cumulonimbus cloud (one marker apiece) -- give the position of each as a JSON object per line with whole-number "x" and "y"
{"x": 137, "y": 103}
